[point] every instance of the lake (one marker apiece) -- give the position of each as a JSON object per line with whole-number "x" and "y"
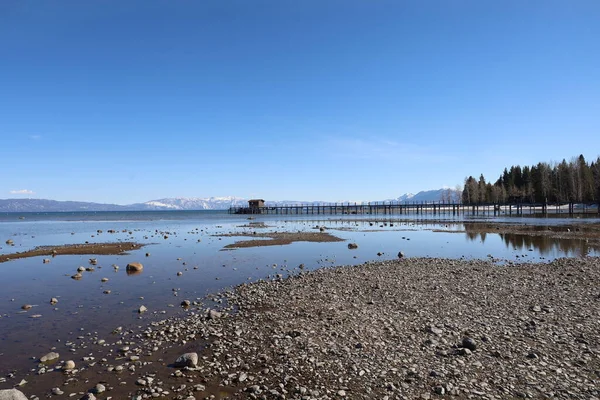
{"x": 192, "y": 249}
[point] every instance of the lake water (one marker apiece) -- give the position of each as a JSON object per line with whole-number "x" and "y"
{"x": 83, "y": 307}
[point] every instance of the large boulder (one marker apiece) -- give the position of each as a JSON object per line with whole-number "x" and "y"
{"x": 134, "y": 266}
{"x": 12, "y": 394}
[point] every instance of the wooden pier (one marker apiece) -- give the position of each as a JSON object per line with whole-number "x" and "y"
{"x": 398, "y": 208}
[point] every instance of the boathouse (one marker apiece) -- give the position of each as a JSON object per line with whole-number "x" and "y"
{"x": 256, "y": 203}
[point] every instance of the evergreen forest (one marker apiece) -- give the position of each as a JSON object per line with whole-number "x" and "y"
{"x": 575, "y": 181}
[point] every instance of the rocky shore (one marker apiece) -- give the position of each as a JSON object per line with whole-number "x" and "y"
{"x": 411, "y": 328}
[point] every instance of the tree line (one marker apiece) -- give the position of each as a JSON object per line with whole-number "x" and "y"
{"x": 575, "y": 181}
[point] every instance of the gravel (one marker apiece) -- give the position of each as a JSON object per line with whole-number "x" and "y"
{"x": 403, "y": 329}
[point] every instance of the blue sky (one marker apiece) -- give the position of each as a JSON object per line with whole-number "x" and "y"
{"x": 128, "y": 101}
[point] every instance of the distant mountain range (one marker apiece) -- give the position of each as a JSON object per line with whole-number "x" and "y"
{"x": 182, "y": 203}
{"x": 428, "y": 196}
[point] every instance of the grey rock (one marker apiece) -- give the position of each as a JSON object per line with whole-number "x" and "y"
{"x": 186, "y": 360}
{"x": 49, "y": 357}
{"x": 469, "y": 343}
{"x": 12, "y": 394}
{"x": 99, "y": 388}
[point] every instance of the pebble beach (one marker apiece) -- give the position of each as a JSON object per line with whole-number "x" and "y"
{"x": 396, "y": 329}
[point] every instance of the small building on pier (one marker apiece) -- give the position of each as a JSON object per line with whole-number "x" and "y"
{"x": 256, "y": 203}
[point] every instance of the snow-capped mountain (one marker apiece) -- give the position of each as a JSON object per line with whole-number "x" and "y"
{"x": 405, "y": 197}
{"x": 428, "y": 196}
{"x": 193, "y": 203}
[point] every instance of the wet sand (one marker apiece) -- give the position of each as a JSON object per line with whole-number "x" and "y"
{"x": 74, "y": 249}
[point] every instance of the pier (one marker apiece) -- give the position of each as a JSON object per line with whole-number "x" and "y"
{"x": 400, "y": 208}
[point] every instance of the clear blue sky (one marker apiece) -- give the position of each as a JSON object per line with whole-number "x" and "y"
{"x": 128, "y": 101}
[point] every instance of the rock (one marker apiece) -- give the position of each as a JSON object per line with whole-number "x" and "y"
{"x": 53, "y": 300}
{"x": 12, "y": 394}
{"x": 464, "y": 351}
{"x": 80, "y": 269}
{"x": 56, "y": 391}
{"x": 213, "y": 314}
{"x": 69, "y": 365}
{"x": 88, "y": 396}
{"x": 49, "y": 357}
{"x": 179, "y": 273}
{"x": 134, "y": 266}
{"x": 439, "y": 390}
{"x": 469, "y": 343}
{"x": 536, "y": 309}
{"x": 186, "y": 360}
{"x": 142, "y": 309}
{"x": 104, "y": 280}
{"x": 435, "y": 330}
{"x": 352, "y": 246}
{"x": 99, "y": 388}
{"x": 185, "y": 303}
{"x": 77, "y": 276}
{"x": 26, "y": 306}
{"x": 400, "y": 255}
{"x": 46, "y": 261}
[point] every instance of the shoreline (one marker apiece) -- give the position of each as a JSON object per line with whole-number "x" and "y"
{"x": 386, "y": 328}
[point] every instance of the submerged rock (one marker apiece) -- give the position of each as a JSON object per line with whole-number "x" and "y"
{"x": 69, "y": 365}
{"x": 187, "y": 360}
{"x": 12, "y": 394}
{"x": 49, "y": 357}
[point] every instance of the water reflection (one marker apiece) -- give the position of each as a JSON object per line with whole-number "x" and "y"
{"x": 544, "y": 245}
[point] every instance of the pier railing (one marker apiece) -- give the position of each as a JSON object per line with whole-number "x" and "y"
{"x": 392, "y": 207}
